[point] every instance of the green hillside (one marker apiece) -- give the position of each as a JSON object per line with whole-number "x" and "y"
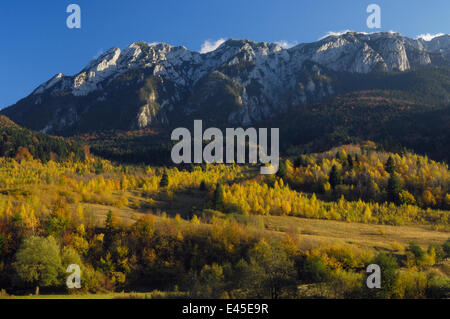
{"x": 19, "y": 143}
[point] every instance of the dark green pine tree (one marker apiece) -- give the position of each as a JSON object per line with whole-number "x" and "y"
{"x": 350, "y": 161}
{"x": 282, "y": 170}
{"x": 164, "y": 180}
{"x": 394, "y": 188}
{"x": 301, "y": 161}
{"x": 110, "y": 228}
{"x": 111, "y": 221}
{"x": 335, "y": 177}
{"x": 390, "y": 165}
{"x": 219, "y": 197}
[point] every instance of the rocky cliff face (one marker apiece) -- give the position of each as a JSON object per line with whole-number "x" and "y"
{"x": 239, "y": 83}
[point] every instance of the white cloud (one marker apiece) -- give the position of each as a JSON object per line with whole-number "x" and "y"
{"x": 287, "y": 44}
{"x": 211, "y": 45}
{"x": 428, "y": 36}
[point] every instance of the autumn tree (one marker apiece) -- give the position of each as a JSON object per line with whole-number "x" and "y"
{"x": 210, "y": 283}
{"x": 271, "y": 271}
{"x": 23, "y": 154}
{"x": 406, "y": 198}
{"x": 428, "y": 198}
{"x": 143, "y": 230}
{"x": 38, "y": 262}
{"x": 341, "y": 155}
{"x": 70, "y": 256}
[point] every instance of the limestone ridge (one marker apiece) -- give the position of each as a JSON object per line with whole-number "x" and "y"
{"x": 240, "y": 83}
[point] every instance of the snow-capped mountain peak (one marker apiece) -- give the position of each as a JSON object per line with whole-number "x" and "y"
{"x": 248, "y": 81}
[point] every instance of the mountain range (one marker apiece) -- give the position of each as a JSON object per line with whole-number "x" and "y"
{"x": 356, "y": 85}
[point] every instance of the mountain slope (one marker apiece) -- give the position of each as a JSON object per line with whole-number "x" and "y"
{"x": 240, "y": 83}
{"x": 19, "y": 143}
{"x": 385, "y": 117}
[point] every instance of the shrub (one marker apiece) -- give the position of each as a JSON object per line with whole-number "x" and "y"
{"x": 389, "y": 270}
{"x": 411, "y": 285}
{"x": 446, "y": 248}
{"x": 315, "y": 271}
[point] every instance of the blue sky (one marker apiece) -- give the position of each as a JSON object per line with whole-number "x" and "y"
{"x": 36, "y": 43}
